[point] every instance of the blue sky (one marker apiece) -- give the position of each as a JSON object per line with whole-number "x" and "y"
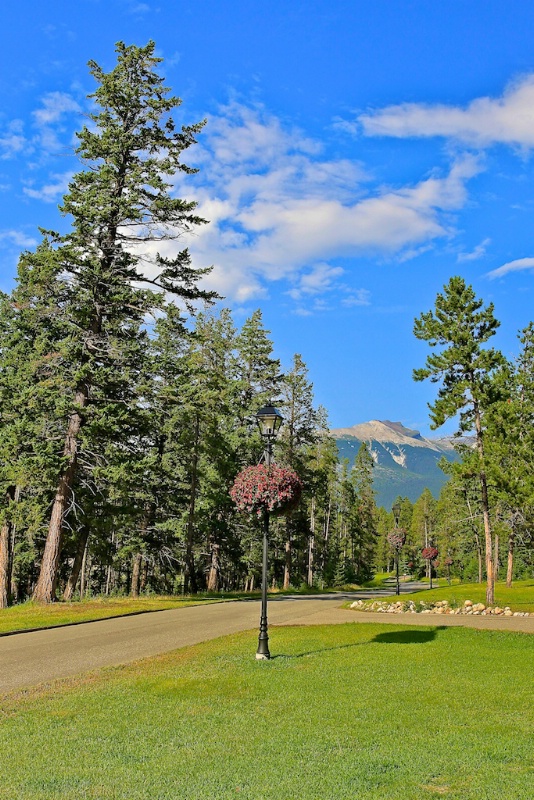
{"x": 356, "y": 155}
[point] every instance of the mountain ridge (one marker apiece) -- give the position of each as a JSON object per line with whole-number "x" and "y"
{"x": 405, "y": 461}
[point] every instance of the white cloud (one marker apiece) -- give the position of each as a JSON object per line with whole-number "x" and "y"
{"x": 357, "y": 297}
{"x": 52, "y": 191}
{"x": 13, "y": 141}
{"x": 279, "y": 209}
{"x": 485, "y": 121}
{"x": 49, "y": 119}
{"x": 138, "y": 9}
{"x": 478, "y": 252}
{"x": 54, "y": 107}
{"x": 318, "y": 280}
{"x": 18, "y": 238}
{"x": 512, "y": 266}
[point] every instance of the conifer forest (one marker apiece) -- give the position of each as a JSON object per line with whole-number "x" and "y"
{"x": 128, "y": 395}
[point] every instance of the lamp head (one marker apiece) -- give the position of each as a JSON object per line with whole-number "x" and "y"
{"x": 269, "y": 420}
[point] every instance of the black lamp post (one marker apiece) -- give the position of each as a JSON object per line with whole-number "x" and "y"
{"x": 269, "y": 421}
{"x": 396, "y": 513}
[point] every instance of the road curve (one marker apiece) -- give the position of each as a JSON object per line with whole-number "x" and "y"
{"x": 28, "y": 659}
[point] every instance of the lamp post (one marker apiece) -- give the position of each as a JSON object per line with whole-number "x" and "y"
{"x": 396, "y": 513}
{"x": 269, "y": 421}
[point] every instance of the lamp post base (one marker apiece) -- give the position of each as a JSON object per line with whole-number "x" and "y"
{"x": 262, "y": 657}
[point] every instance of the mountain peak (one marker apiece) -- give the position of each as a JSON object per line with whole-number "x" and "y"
{"x": 405, "y": 462}
{"x": 384, "y": 431}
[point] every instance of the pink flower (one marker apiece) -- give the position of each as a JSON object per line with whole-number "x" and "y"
{"x": 429, "y": 553}
{"x": 397, "y": 538}
{"x": 261, "y": 488}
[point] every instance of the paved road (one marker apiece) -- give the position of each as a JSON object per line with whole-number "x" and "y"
{"x": 27, "y": 659}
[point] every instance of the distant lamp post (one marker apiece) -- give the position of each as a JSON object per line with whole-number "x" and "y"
{"x": 269, "y": 421}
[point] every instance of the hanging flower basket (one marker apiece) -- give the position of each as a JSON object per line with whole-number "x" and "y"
{"x": 397, "y": 538}
{"x": 429, "y": 553}
{"x": 261, "y": 488}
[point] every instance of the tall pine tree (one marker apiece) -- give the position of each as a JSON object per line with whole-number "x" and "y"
{"x": 120, "y": 202}
{"x": 461, "y": 326}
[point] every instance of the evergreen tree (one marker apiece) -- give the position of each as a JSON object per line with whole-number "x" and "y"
{"x": 460, "y": 325}
{"x": 321, "y": 478}
{"x": 511, "y": 447}
{"x": 34, "y": 379}
{"x": 118, "y": 204}
{"x": 422, "y": 530}
{"x": 258, "y": 376}
{"x": 295, "y": 441}
{"x": 363, "y": 519}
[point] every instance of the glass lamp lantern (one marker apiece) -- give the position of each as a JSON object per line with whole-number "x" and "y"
{"x": 269, "y": 420}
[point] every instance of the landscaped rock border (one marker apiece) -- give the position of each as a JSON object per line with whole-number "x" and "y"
{"x": 440, "y": 607}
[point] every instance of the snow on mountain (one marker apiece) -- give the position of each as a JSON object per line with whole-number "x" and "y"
{"x": 405, "y": 462}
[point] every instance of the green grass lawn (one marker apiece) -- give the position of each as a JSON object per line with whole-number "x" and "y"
{"x": 31, "y": 615}
{"x": 359, "y": 712}
{"x": 520, "y": 597}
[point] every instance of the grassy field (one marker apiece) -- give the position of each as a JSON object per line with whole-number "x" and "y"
{"x": 520, "y": 597}
{"x": 31, "y": 615}
{"x": 366, "y": 712}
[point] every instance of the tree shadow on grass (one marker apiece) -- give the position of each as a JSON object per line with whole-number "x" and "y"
{"x": 408, "y": 637}
{"x": 320, "y": 650}
{"x": 391, "y": 637}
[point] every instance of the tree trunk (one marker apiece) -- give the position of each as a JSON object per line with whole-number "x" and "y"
{"x": 190, "y": 532}
{"x": 496, "y": 558}
{"x": 326, "y": 537}
{"x": 45, "y": 588}
{"x": 510, "y": 565}
{"x": 287, "y": 559}
{"x": 5, "y": 541}
{"x": 6, "y": 556}
{"x": 213, "y": 577}
{"x": 477, "y": 538}
{"x": 76, "y": 567}
{"x": 311, "y": 543}
{"x": 479, "y": 555}
{"x": 490, "y": 575}
{"x": 110, "y": 575}
{"x": 144, "y": 576}
{"x": 83, "y": 577}
{"x": 137, "y": 560}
